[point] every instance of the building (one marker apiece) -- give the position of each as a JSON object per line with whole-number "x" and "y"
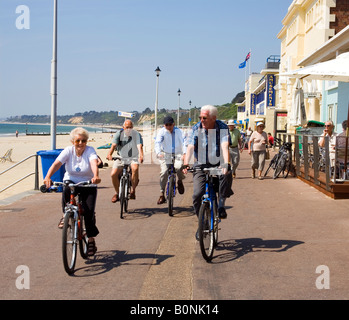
{"x": 307, "y": 26}
{"x": 261, "y": 96}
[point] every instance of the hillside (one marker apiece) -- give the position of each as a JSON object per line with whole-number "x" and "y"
{"x": 225, "y": 112}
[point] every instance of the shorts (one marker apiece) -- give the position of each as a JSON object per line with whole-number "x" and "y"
{"x": 120, "y": 163}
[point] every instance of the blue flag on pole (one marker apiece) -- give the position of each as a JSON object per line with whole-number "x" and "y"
{"x": 243, "y": 64}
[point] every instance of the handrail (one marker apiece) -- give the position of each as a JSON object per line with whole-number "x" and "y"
{"x": 302, "y": 139}
{"x": 36, "y": 172}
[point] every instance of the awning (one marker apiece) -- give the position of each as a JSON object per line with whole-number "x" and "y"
{"x": 335, "y": 70}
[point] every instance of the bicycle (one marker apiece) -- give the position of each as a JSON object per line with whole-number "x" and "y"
{"x": 74, "y": 231}
{"x": 208, "y": 219}
{"x": 281, "y": 162}
{"x": 171, "y": 183}
{"x": 125, "y": 185}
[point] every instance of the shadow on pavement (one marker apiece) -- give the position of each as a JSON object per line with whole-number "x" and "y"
{"x": 105, "y": 261}
{"x": 236, "y": 248}
{"x": 135, "y": 214}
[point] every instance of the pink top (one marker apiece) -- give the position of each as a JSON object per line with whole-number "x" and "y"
{"x": 259, "y": 141}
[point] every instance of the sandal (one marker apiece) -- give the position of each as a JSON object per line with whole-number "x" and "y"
{"x": 61, "y": 223}
{"x": 91, "y": 248}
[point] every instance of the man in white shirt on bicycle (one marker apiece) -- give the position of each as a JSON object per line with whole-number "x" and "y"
{"x": 169, "y": 140}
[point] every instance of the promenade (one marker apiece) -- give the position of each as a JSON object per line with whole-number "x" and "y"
{"x": 278, "y": 235}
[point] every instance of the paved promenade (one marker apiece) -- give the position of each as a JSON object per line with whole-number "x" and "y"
{"x": 278, "y": 235}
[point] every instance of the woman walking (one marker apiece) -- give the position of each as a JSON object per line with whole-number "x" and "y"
{"x": 259, "y": 141}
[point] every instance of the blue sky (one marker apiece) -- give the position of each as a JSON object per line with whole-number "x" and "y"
{"x": 108, "y": 51}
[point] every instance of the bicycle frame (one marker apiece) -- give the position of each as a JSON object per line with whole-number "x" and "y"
{"x": 76, "y": 207}
{"x": 171, "y": 172}
{"x": 208, "y": 218}
{"x": 210, "y": 197}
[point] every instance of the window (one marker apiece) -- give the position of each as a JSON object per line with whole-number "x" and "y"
{"x": 332, "y": 112}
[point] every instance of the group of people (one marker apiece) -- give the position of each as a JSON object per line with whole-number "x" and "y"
{"x": 212, "y": 143}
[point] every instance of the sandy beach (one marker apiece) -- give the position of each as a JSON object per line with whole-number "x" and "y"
{"x": 25, "y": 146}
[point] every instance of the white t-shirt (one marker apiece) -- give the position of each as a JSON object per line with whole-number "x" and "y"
{"x": 77, "y": 169}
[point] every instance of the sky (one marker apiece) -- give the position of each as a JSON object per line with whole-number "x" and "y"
{"x": 108, "y": 51}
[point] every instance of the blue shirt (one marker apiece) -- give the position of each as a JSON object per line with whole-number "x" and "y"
{"x": 207, "y": 143}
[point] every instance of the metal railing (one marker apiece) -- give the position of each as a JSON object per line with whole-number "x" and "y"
{"x": 36, "y": 173}
{"x": 309, "y": 159}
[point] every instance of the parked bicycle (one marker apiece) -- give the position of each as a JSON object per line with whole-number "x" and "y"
{"x": 208, "y": 214}
{"x": 282, "y": 161}
{"x": 74, "y": 231}
{"x": 125, "y": 185}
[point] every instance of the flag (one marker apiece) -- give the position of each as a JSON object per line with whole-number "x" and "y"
{"x": 243, "y": 64}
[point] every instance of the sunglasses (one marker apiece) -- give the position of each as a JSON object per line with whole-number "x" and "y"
{"x": 168, "y": 124}
{"x": 203, "y": 118}
{"x": 80, "y": 141}
{"x": 327, "y": 125}
{"x": 128, "y": 127}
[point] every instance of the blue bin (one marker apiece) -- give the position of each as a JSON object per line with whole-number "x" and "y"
{"x": 47, "y": 159}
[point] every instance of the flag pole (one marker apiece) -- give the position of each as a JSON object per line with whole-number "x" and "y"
{"x": 249, "y": 63}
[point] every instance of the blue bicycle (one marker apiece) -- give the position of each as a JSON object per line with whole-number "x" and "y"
{"x": 208, "y": 214}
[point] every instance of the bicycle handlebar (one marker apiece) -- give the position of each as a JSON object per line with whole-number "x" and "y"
{"x": 79, "y": 184}
{"x": 214, "y": 171}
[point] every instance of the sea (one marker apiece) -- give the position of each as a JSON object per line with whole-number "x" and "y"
{"x": 9, "y": 129}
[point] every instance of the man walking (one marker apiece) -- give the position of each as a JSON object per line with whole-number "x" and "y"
{"x": 236, "y": 146}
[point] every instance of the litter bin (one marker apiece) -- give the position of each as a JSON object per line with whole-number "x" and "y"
{"x": 47, "y": 159}
{"x": 313, "y": 128}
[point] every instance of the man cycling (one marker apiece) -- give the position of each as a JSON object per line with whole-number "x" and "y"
{"x": 169, "y": 140}
{"x": 210, "y": 144}
{"x": 129, "y": 145}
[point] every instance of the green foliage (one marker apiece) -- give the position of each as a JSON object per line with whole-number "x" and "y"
{"x": 225, "y": 112}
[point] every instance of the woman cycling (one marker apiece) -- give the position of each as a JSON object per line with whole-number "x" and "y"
{"x": 81, "y": 165}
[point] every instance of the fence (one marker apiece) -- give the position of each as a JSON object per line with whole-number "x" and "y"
{"x": 36, "y": 173}
{"x": 321, "y": 165}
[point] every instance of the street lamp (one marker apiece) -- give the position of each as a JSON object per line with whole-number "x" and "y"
{"x": 54, "y": 79}
{"x": 156, "y": 100}
{"x": 179, "y": 103}
{"x": 189, "y": 112}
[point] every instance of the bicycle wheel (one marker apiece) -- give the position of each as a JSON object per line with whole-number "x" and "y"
{"x": 126, "y": 193}
{"x": 287, "y": 167}
{"x": 170, "y": 189}
{"x": 206, "y": 234}
{"x": 83, "y": 239}
{"x": 122, "y": 196}
{"x": 271, "y": 164}
{"x": 69, "y": 243}
{"x": 279, "y": 167}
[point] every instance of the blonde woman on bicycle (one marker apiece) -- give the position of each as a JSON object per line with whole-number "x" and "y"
{"x": 81, "y": 165}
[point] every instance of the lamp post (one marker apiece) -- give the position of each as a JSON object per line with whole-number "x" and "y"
{"x": 179, "y": 104}
{"x": 189, "y": 112}
{"x": 54, "y": 79}
{"x": 156, "y": 99}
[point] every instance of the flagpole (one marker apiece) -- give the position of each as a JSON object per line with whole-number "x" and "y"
{"x": 249, "y": 63}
